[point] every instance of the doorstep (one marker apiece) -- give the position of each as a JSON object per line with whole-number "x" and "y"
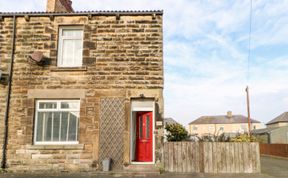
{"x": 132, "y": 170}
{"x": 126, "y": 173}
{"x": 141, "y": 168}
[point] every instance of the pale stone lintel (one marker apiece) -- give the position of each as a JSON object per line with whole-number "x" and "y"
{"x": 56, "y": 93}
{"x": 147, "y": 93}
{"x": 55, "y": 147}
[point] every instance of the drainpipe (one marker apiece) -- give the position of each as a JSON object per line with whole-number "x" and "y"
{"x": 4, "y": 151}
{"x": 269, "y": 137}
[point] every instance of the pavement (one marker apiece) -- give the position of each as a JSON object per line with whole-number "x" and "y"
{"x": 274, "y": 167}
{"x": 270, "y": 168}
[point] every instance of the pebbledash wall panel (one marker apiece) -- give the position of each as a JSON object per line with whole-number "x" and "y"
{"x": 121, "y": 59}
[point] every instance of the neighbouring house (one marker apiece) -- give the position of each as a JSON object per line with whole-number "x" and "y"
{"x": 169, "y": 120}
{"x": 279, "y": 121}
{"x": 276, "y": 131}
{"x": 80, "y": 87}
{"x": 215, "y": 125}
{"x": 272, "y": 135}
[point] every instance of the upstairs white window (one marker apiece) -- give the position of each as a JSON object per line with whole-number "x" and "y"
{"x": 57, "y": 122}
{"x": 70, "y": 47}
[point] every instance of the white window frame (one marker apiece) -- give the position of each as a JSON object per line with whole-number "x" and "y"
{"x": 57, "y": 109}
{"x": 60, "y": 45}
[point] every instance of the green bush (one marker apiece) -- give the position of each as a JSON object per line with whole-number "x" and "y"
{"x": 244, "y": 138}
{"x": 176, "y": 132}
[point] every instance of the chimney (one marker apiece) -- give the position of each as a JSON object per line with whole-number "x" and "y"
{"x": 229, "y": 114}
{"x": 59, "y": 6}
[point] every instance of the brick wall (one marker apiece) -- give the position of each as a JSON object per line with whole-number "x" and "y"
{"x": 121, "y": 58}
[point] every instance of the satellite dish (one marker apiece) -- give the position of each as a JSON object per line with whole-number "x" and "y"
{"x": 39, "y": 58}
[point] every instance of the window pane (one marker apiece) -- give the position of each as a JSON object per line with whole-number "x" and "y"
{"x": 140, "y": 127}
{"x": 48, "y": 126}
{"x": 72, "y": 52}
{"x": 67, "y": 52}
{"x": 147, "y": 127}
{"x": 70, "y": 105}
{"x": 64, "y": 125}
{"x": 47, "y": 105}
{"x": 72, "y": 127}
{"x": 39, "y": 128}
{"x": 78, "y": 50}
{"x": 72, "y": 32}
{"x": 56, "y": 126}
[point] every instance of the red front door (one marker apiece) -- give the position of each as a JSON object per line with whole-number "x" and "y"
{"x": 144, "y": 137}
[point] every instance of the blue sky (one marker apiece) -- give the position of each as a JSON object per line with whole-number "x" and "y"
{"x": 206, "y": 52}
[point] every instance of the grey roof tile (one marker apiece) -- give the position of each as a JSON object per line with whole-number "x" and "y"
{"x": 222, "y": 119}
{"x": 281, "y": 118}
{"x": 170, "y": 120}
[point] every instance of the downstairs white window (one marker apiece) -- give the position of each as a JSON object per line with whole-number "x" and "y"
{"x": 57, "y": 122}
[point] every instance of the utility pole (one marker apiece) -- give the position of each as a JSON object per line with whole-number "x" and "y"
{"x": 248, "y": 111}
{"x": 248, "y": 71}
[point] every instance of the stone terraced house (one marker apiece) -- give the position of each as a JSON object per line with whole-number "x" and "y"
{"x": 77, "y": 88}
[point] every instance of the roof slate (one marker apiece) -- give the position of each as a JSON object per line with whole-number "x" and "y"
{"x": 281, "y": 118}
{"x": 170, "y": 120}
{"x": 266, "y": 130}
{"x": 222, "y": 119}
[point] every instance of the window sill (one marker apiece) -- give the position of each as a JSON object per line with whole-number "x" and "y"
{"x": 65, "y": 69}
{"x": 55, "y": 147}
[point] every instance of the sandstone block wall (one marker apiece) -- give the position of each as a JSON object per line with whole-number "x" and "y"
{"x": 121, "y": 58}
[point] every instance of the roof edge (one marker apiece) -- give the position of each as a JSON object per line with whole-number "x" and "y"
{"x": 144, "y": 12}
{"x": 275, "y": 122}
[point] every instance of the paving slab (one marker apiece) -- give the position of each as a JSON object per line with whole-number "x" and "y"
{"x": 270, "y": 167}
{"x": 275, "y": 167}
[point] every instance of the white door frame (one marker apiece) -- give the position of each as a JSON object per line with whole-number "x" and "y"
{"x": 141, "y": 109}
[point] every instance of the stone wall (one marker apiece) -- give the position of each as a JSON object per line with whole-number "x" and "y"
{"x": 121, "y": 58}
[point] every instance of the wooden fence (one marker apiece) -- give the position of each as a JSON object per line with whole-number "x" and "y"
{"x": 212, "y": 157}
{"x": 274, "y": 149}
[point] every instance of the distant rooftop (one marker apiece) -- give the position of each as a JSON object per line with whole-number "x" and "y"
{"x": 281, "y": 118}
{"x": 223, "y": 119}
{"x": 267, "y": 130}
{"x": 169, "y": 120}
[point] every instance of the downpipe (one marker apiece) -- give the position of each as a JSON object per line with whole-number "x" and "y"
{"x": 6, "y": 117}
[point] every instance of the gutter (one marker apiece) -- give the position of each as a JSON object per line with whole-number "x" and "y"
{"x": 6, "y": 119}
{"x": 84, "y": 13}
